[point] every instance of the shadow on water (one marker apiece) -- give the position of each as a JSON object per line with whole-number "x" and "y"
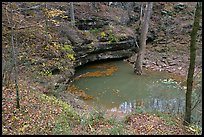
{"x": 115, "y": 87}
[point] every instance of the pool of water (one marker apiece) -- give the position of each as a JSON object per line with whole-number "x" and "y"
{"x": 125, "y": 91}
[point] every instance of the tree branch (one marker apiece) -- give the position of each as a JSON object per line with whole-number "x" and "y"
{"x": 31, "y": 8}
{"x": 197, "y": 102}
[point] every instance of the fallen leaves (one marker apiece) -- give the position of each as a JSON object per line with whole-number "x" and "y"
{"x": 79, "y": 92}
{"x": 38, "y": 113}
{"x": 110, "y": 69}
{"x": 148, "y": 124}
{"x": 42, "y": 114}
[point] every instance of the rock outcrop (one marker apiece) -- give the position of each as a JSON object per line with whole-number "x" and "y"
{"x": 104, "y": 50}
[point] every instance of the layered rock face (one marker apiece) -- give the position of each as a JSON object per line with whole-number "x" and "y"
{"x": 104, "y": 50}
{"x": 105, "y": 44}
{"x": 99, "y": 39}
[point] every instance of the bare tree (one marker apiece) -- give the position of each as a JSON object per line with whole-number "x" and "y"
{"x": 143, "y": 37}
{"x": 46, "y": 24}
{"x": 72, "y": 14}
{"x": 14, "y": 60}
{"x": 187, "y": 119}
{"x": 141, "y": 12}
{"x": 6, "y": 52}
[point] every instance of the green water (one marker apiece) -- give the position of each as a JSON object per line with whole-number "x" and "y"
{"x": 125, "y": 91}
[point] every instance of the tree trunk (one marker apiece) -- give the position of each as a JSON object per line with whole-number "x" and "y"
{"x": 72, "y": 14}
{"x": 95, "y": 6}
{"x": 46, "y": 24}
{"x": 187, "y": 119}
{"x": 141, "y": 13}
{"x": 143, "y": 37}
{"x": 14, "y": 61}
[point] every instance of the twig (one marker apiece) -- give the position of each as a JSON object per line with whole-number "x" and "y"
{"x": 197, "y": 102}
{"x": 24, "y": 27}
{"x": 91, "y": 128}
{"x": 31, "y": 8}
{"x": 197, "y": 73}
{"x": 136, "y": 42}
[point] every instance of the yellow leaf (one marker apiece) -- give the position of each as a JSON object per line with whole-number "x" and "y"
{"x": 14, "y": 118}
{"x": 20, "y": 129}
{"x": 103, "y": 34}
{"x": 192, "y": 129}
{"x": 23, "y": 128}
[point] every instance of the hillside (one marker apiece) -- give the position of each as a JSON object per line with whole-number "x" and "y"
{"x": 49, "y": 49}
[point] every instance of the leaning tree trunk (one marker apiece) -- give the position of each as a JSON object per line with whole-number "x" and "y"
{"x": 14, "y": 61}
{"x": 187, "y": 119}
{"x": 144, "y": 30}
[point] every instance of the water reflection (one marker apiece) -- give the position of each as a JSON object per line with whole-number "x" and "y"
{"x": 126, "y": 107}
{"x": 175, "y": 105}
{"x": 126, "y": 92}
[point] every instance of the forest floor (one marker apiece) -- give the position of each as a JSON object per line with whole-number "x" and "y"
{"x": 43, "y": 114}
{"x": 40, "y": 113}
